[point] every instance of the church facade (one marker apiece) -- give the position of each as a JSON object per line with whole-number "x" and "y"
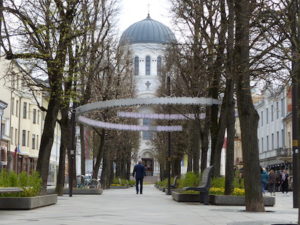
{"x": 147, "y": 41}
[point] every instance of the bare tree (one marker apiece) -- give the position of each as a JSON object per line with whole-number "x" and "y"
{"x": 247, "y": 113}
{"x": 44, "y": 31}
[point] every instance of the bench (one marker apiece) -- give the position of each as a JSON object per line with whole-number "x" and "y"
{"x": 173, "y": 186}
{"x": 10, "y": 190}
{"x": 204, "y": 184}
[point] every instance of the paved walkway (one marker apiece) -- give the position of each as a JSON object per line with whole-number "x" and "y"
{"x": 124, "y": 207}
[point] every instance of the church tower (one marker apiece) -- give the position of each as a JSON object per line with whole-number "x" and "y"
{"x": 147, "y": 40}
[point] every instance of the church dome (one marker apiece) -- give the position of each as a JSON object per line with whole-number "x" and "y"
{"x": 148, "y": 31}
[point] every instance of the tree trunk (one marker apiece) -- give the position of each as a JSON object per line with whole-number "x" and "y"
{"x": 204, "y": 149}
{"x": 196, "y": 146}
{"x": 100, "y": 153}
{"x": 190, "y": 163}
{"x": 247, "y": 113}
{"x": 60, "y": 182}
{"x": 220, "y": 139}
{"x": 229, "y": 165}
{"x": 83, "y": 150}
{"x": 65, "y": 141}
{"x": 47, "y": 138}
{"x": 176, "y": 166}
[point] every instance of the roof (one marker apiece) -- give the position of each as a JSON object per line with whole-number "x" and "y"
{"x": 147, "y": 31}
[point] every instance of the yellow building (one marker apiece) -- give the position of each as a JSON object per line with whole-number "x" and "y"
{"x": 23, "y": 120}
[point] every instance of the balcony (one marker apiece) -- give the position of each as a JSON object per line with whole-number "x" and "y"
{"x": 284, "y": 152}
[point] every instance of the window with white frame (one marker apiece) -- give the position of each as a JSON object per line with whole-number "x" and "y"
{"x": 159, "y": 65}
{"x": 282, "y": 107}
{"x": 23, "y": 137}
{"x": 34, "y": 116}
{"x": 136, "y": 65}
{"x": 33, "y": 141}
{"x": 148, "y": 65}
{"x": 24, "y": 110}
{"x": 28, "y": 138}
{"x": 272, "y": 112}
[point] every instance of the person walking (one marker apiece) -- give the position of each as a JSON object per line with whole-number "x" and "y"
{"x": 284, "y": 182}
{"x": 263, "y": 179}
{"x": 272, "y": 182}
{"x": 139, "y": 173}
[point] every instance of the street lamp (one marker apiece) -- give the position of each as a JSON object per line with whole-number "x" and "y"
{"x": 169, "y": 142}
{"x": 295, "y": 144}
{"x": 72, "y": 151}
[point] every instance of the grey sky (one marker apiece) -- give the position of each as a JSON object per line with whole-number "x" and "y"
{"x": 135, "y": 10}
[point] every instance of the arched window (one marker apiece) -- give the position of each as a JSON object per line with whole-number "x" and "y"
{"x": 136, "y": 65}
{"x": 159, "y": 65}
{"x": 148, "y": 65}
{"x": 147, "y": 135}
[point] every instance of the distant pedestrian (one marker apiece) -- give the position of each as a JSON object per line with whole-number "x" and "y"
{"x": 278, "y": 181}
{"x": 284, "y": 181}
{"x": 272, "y": 182}
{"x": 264, "y": 177}
{"x": 139, "y": 173}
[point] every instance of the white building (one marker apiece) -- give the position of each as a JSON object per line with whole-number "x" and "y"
{"x": 147, "y": 40}
{"x": 22, "y": 122}
{"x": 272, "y": 137}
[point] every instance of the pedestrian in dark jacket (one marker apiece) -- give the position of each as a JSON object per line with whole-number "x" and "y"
{"x": 284, "y": 181}
{"x": 139, "y": 173}
{"x": 272, "y": 182}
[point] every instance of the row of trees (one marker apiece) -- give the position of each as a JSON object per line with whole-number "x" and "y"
{"x": 72, "y": 45}
{"x": 226, "y": 49}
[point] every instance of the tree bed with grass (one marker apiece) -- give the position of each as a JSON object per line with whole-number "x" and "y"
{"x": 30, "y": 195}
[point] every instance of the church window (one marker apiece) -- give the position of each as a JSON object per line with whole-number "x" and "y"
{"x": 147, "y": 135}
{"x": 148, "y": 65}
{"x": 159, "y": 65}
{"x": 136, "y": 65}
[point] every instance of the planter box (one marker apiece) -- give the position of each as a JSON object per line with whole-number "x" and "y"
{"x": 85, "y": 191}
{"x": 119, "y": 187}
{"x": 236, "y": 200}
{"x": 180, "y": 197}
{"x": 27, "y": 202}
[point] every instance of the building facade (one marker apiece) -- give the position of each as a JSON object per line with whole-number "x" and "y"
{"x": 147, "y": 40}
{"x": 23, "y": 122}
{"x": 275, "y": 129}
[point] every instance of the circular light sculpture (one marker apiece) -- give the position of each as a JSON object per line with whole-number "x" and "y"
{"x": 134, "y": 102}
{"x": 160, "y": 116}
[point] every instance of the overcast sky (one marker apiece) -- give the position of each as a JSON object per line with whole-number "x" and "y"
{"x": 135, "y": 10}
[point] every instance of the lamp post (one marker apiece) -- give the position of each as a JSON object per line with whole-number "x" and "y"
{"x": 72, "y": 150}
{"x": 169, "y": 142}
{"x": 295, "y": 143}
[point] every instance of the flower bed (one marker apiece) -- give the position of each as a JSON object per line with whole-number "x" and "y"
{"x": 28, "y": 197}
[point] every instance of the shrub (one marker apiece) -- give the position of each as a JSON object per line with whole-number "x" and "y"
{"x": 218, "y": 182}
{"x": 190, "y": 179}
{"x": 31, "y": 184}
{"x": 121, "y": 182}
{"x": 218, "y": 186}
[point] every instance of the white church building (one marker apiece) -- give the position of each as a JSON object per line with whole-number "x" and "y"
{"x": 147, "y": 41}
